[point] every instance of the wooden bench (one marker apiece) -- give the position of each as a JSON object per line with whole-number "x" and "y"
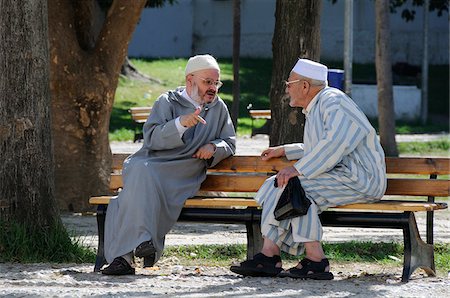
{"x": 260, "y": 114}
{"x": 245, "y": 174}
{"x": 139, "y": 115}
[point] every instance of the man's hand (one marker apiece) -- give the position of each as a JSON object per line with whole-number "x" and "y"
{"x": 205, "y": 152}
{"x": 285, "y": 174}
{"x": 273, "y": 152}
{"x": 192, "y": 119}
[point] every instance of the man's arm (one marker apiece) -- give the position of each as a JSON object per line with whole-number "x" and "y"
{"x": 226, "y": 143}
{"x": 294, "y": 151}
{"x": 341, "y": 137}
{"x": 161, "y": 132}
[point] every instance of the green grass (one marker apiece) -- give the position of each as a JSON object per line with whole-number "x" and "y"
{"x": 440, "y": 147}
{"x": 354, "y": 251}
{"x": 29, "y": 244}
{"x": 255, "y": 78}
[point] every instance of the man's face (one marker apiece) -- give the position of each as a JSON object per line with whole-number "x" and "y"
{"x": 204, "y": 85}
{"x": 298, "y": 89}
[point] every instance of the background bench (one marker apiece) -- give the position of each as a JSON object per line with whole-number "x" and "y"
{"x": 260, "y": 114}
{"x": 139, "y": 115}
{"x": 245, "y": 174}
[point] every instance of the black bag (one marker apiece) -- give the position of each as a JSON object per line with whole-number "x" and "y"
{"x": 292, "y": 202}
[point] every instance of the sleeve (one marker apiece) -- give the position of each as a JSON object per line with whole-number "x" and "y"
{"x": 226, "y": 142}
{"x": 181, "y": 129}
{"x": 340, "y": 137}
{"x": 294, "y": 151}
{"x": 160, "y": 130}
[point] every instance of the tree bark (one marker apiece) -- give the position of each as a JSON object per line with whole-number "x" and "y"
{"x": 85, "y": 66}
{"x": 26, "y": 168}
{"x": 296, "y": 35}
{"x": 386, "y": 114}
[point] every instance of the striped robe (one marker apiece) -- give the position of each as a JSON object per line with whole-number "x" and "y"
{"x": 340, "y": 162}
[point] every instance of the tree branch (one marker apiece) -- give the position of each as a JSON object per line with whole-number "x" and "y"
{"x": 120, "y": 22}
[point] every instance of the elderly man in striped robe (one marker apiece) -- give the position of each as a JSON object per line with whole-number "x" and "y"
{"x": 341, "y": 161}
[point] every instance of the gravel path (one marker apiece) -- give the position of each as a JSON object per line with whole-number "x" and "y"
{"x": 170, "y": 279}
{"x": 67, "y": 280}
{"x": 45, "y": 280}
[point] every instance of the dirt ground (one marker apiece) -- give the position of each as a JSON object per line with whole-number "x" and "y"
{"x": 169, "y": 278}
{"x": 68, "y": 280}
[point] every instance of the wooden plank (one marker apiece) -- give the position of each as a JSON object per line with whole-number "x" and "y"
{"x": 140, "y": 110}
{"x": 413, "y": 165}
{"x": 252, "y": 183}
{"x": 257, "y": 114}
{"x": 116, "y": 182}
{"x": 240, "y": 164}
{"x": 102, "y": 200}
{"x": 220, "y": 202}
{"x": 251, "y": 164}
{"x": 140, "y": 116}
{"x": 383, "y": 205}
{"x": 118, "y": 159}
{"x": 404, "y": 187}
{"x": 263, "y": 112}
{"x": 403, "y": 165}
{"x": 418, "y": 187}
{"x": 228, "y": 183}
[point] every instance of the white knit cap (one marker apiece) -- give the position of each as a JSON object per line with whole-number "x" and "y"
{"x": 311, "y": 69}
{"x": 201, "y": 62}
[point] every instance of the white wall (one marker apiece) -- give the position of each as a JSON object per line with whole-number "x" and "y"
{"x": 157, "y": 35}
{"x": 205, "y": 26}
{"x": 406, "y": 101}
{"x": 406, "y": 37}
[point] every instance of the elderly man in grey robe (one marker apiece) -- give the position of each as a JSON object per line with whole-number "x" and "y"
{"x": 341, "y": 161}
{"x": 188, "y": 130}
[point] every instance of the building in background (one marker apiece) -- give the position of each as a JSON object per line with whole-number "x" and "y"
{"x": 205, "y": 26}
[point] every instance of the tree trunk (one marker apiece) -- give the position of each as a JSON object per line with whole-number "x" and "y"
{"x": 85, "y": 66}
{"x": 236, "y": 54}
{"x": 296, "y": 35}
{"x": 26, "y": 168}
{"x": 386, "y": 114}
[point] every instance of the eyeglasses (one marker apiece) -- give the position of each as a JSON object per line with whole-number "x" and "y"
{"x": 211, "y": 82}
{"x": 288, "y": 83}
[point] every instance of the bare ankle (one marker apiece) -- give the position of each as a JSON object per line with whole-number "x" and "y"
{"x": 270, "y": 252}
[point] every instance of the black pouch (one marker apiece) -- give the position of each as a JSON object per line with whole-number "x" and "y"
{"x": 292, "y": 202}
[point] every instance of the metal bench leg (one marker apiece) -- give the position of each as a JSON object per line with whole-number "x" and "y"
{"x": 100, "y": 259}
{"x": 254, "y": 238}
{"x": 417, "y": 252}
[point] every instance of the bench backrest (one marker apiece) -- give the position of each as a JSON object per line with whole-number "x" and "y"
{"x": 260, "y": 114}
{"x": 247, "y": 173}
{"x": 140, "y": 114}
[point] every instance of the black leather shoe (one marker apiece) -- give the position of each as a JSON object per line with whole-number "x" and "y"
{"x": 147, "y": 251}
{"x": 119, "y": 266}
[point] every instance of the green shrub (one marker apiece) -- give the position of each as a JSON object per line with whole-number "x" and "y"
{"x": 29, "y": 244}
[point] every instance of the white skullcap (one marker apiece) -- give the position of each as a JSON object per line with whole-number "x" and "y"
{"x": 201, "y": 62}
{"x": 311, "y": 69}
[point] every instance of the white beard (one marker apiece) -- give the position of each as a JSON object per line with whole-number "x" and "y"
{"x": 194, "y": 94}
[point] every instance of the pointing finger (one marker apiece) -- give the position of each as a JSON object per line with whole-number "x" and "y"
{"x": 200, "y": 119}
